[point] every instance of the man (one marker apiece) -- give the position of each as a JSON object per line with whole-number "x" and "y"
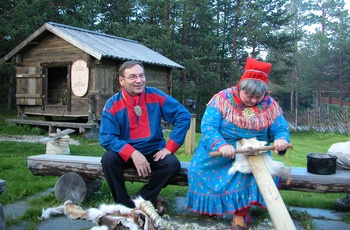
{"x": 131, "y": 133}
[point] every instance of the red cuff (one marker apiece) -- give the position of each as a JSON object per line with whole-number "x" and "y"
{"x": 126, "y": 152}
{"x": 172, "y": 146}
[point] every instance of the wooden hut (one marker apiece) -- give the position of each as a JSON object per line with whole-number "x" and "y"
{"x": 68, "y": 72}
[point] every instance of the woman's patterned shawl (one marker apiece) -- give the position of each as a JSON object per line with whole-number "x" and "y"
{"x": 262, "y": 115}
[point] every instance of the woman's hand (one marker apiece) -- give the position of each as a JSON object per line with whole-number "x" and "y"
{"x": 228, "y": 151}
{"x": 280, "y": 146}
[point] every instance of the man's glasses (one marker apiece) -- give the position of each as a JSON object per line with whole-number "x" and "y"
{"x": 133, "y": 77}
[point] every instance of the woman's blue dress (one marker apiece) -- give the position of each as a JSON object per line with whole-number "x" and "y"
{"x": 211, "y": 189}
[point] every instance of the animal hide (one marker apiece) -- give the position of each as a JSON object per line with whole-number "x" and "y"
{"x": 241, "y": 163}
{"x": 144, "y": 216}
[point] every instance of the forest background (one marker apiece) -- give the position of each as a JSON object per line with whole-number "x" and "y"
{"x": 308, "y": 42}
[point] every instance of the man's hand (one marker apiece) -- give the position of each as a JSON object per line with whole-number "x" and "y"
{"x": 161, "y": 154}
{"x": 142, "y": 166}
{"x": 228, "y": 151}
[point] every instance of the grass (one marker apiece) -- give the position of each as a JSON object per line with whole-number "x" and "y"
{"x": 20, "y": 183}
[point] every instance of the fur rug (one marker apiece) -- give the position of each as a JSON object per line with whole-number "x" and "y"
{"x": 110, "y": 217}
{"x": 144, "y": 216}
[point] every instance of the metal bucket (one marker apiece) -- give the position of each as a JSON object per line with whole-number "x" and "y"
{"x": 323, "y": 164}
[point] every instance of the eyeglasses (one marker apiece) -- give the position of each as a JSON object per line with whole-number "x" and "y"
{"x": 133, "y": 77}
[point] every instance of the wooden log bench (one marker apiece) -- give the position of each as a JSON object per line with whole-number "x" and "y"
{"x": 2, "y": 215}
{"x": 87, "y": 170}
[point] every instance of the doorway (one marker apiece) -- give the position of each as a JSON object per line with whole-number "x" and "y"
{"x": 57, "y": 86}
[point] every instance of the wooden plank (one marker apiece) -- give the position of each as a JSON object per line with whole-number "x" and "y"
{"x": 191, "y": 136}
{"x": 273, "y": 200}
{"x": 32, "y": 69}
{"x": 19, "y": 95}
{"x": 52, "y": 123}
{"x": 28, "y": 75}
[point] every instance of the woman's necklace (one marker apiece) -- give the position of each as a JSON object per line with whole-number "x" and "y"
{"x": 248, "y": 112}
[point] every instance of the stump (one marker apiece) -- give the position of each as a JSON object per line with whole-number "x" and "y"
{"x": 58, "y": 146}
{"x": 72, "y": 186}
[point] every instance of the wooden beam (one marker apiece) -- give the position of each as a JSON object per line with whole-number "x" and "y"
{"x": 28, "y": 75}
{"x": 37, "y": 96}
{"x": 273, "y": 200}
{"x": 190, "y": 140}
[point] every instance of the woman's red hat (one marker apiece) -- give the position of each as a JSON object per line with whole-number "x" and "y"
{"x": 256, "y": 70}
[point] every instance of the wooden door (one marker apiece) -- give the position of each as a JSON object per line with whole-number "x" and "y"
{"x": 28, "y": 86}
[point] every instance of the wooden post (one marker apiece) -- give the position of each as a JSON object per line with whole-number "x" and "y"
{"x": 273, "y": 200}
{"x": 190, "y": 140}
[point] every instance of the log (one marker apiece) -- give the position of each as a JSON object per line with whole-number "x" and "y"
{"x": 57, "y": 165}
{"x": 273, "y": 200}
{"x": 72, "y": 186}
{"x": 302, "y": 180}
{"x": 90, "y": 167}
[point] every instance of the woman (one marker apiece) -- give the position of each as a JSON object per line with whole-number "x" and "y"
{"x": 244, "y": 111}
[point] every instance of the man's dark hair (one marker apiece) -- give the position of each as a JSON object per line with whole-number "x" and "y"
{"x": 128, "y": 65}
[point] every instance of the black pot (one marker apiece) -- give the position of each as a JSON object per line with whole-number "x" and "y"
{"x": 319, "y": 163}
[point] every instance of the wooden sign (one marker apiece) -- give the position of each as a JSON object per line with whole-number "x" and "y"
{"x": 80, "y": 78}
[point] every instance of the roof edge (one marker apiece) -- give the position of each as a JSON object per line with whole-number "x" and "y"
{"x": 91, "y": 31}
{"x": 72, "y": 41}
{"x": 23, "y": 44}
